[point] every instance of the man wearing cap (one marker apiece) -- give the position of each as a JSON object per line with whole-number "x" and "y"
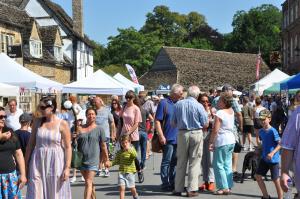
{"x": 23, "y": 133}
{"x": 13, "y": 115}
{"x": 216, "y": 98}
{"x": 190, "y": 118}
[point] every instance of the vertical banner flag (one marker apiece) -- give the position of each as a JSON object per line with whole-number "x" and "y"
{"x": 258, "y": 60}
{"x": 132, "y": 73}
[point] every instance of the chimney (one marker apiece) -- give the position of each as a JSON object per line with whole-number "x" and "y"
{"x": 77, "y": 9}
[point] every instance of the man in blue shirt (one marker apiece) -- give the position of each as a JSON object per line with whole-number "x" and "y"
{"x": 190, "y": 118}
{"x": 168, "y": 136}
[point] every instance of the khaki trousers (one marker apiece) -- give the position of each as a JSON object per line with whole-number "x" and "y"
{"x": 189, "y": 151}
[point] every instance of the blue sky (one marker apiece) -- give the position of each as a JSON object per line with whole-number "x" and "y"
{"x": 103, "y": 17}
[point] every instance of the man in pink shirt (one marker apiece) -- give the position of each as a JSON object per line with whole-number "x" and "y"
{"x": 291, "y": 151}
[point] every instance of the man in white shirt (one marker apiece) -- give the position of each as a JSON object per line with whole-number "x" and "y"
{"x": 13, "y": 115}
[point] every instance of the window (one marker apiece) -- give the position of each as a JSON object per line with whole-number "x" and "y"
{"x": 5, "y": 41}
{"x": 58, "y": 53}
{"x": 36, "y": 49}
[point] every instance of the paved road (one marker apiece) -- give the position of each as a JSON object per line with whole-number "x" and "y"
{"x": 106, "y": 188}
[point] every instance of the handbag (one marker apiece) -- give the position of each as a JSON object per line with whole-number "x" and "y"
{"x": 76, "y": 161}
{"x": 156, "y": 145}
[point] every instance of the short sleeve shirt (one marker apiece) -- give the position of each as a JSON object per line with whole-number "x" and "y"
{"x": 88, "y": 145}
{"x": 7, "y": 152}
{"x": 12, "y": 120}
{"x": 164, "y": 113}
{"x": 131, "y": 115}
{"x": 104, "y": 119}
{"x": 270, "y": 139}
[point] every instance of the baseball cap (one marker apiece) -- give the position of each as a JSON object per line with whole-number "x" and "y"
{"x": 25, "y": 117}
{"x": 227, "y": 87}
{"x": 263, "y": 114}
{"x": 219, "y": 88}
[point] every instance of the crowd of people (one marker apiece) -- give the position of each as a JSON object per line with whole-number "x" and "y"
{"x": 199, "y": 134}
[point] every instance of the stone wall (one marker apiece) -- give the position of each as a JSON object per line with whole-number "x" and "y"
{"x": 57, "y": 73}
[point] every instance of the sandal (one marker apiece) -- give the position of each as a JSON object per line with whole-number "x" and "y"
{"x": 219, "y": 192}
{"x": 222, "y": 192}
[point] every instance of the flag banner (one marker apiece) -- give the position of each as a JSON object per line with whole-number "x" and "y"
{"x": 258, "y": 60}
{"x": 132, "y": 73}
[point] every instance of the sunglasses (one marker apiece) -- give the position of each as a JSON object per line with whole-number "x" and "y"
{"x": 128, "y": 97}
{"x": 44, "y": 107}
{"x": 3, "y": 117}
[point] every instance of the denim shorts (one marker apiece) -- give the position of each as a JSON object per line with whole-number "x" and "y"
{"x": 89, "y": 168}
{"x": 264, "y": 167}
{"x": 127, "y": 179}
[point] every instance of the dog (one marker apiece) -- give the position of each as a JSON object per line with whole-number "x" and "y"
{"x": 251, "y": 162}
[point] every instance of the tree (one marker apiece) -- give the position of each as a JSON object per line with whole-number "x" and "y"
{"x": 134, "y": 48}
{"x": 258, "y": 28}
{"x": 100, "y": 55}
{"x": 114, "y": 69}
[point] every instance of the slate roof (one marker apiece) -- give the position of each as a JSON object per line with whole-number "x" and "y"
{"x": 205, "y": 68}
{"x": 60, "y": 13}
{"x": 48, "y": 34}
{"x": 9, "y": 14}
{"x": 16, "y": 3}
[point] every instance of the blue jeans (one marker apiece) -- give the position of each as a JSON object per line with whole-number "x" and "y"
{"x": 143, "y": 145}
{"x": 168, "y": 164}
{"x": 222, "y": 163}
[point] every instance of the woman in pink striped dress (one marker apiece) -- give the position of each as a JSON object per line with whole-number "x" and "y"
{"x": 48, "y": 155}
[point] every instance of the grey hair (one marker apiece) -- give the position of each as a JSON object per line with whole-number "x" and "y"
{"x": 194, "y": 91}
{"x": 176, "y": 88}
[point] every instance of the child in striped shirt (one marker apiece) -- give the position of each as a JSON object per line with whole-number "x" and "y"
{"x": 125, "y": 159}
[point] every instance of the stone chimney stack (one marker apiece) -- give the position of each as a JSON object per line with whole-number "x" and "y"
{"x": 77, "y": 9}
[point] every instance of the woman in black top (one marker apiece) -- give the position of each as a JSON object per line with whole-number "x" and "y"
{"x": 116, "y": 110}
{"x": 10, "y": 154}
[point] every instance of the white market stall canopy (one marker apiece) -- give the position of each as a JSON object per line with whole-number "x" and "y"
{"x": 267, "y": 81}
{"x": 128, "y": 82}
{"x": 8, "y": 90}
{"x": 15, "y": 74}
{"x": 97, "y": 83}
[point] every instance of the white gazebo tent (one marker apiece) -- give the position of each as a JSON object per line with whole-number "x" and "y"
{"x": 15, "y": 74}
{"x": 97, "y": 83}
{"x": 128, "y": 82}
{"x": 267, "y": 81}
{"x": 8, "y": 90}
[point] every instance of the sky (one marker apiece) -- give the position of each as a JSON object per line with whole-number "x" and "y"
{"x": 102, "y": 18}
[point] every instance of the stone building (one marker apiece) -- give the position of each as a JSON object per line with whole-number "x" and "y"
{"x": 291, "y": 36}
{"x": 205, "y": 68}
{"x": 53, "y": 44}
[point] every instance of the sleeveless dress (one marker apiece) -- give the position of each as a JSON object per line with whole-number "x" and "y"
{"x": 46, "y": 167}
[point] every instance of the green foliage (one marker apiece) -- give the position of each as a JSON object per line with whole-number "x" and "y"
{"x": 260, "y": 27}
{"x": 114, "y": 69}
{"x": 134, "y": 48}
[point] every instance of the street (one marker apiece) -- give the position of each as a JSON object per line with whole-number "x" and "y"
{"x": 107, "y": 187}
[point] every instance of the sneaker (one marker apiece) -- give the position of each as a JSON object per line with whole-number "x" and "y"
{"x": 73, "y": 179}
{"x": 82, "y": 179}
{"x": 211, "y": 186}
{"x": 101, "y": 173}
{"x": 135, "y": 197}
{"x": 141, "y": 176}
{"x": 106, "y": 173}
